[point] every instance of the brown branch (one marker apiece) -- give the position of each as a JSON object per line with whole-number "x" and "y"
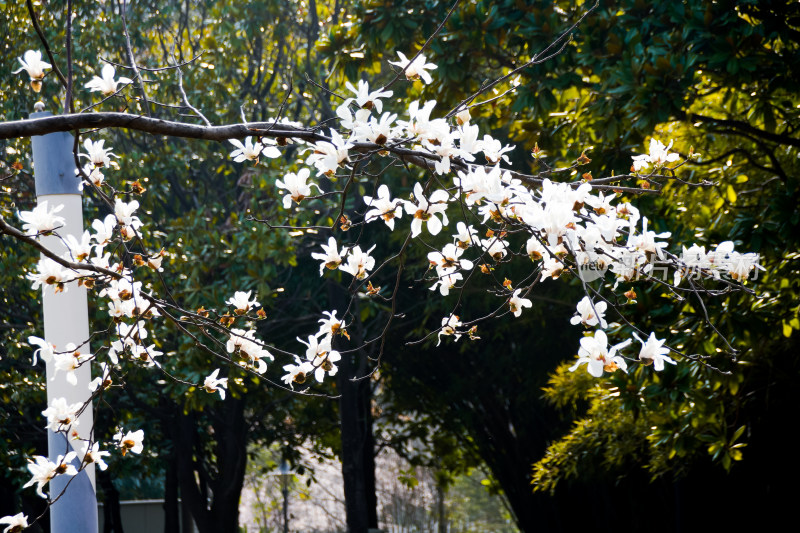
{"x": 11, "y": 231}
{"x": 74, "y": 121}
{"x": 131, "y": 57}
{"x": 77, "y": 121}
{"x": 46, "y": 45}
{"x": 68, "y": 100}
{"x": 745, "y": 127}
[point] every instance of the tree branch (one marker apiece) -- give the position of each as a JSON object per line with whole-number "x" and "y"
{"x": 745, "y": 127}
{"x": 40, "y": 33}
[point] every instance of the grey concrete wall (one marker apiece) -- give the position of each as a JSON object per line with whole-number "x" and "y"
{"x": 141, "y": 516}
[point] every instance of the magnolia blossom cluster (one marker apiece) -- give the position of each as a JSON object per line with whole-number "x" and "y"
{"x": 724, "y": 260}
{"x": 106, "y": 83}
{"x": 568, "y": 226}
{"x": 352, "y": 260}
{"x": 557, "y": 228}
{"x": 320, "y": 356}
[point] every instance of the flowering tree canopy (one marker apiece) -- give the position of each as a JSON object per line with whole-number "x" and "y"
{"x": 380, "y": 192}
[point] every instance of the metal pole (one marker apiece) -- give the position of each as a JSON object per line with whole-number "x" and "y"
{"x": 285, "y": 508}
{"x": 66, "y": 320}
{"x": 284, "y": 472}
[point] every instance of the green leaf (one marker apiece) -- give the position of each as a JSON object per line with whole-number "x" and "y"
{"x": 730, "y": 193}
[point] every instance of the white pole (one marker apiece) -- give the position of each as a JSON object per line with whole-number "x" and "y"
{"x": 66, "y": 320}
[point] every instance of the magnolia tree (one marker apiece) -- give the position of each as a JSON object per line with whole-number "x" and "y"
{"x": 465, "y": 208}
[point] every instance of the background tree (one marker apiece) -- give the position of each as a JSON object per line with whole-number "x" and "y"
{"x": 197, "y": 203}
{"x": 715, "y": 76}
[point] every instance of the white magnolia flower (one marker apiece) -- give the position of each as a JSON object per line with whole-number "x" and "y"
{"x": 146, "y": 354}
{"x": 213, "y": 384}
{"x": 327, "y": 156}
{"x": 104, "y": 229}
{"x": 331, "y": 258}
{"x": 96, "y": 177}
{"x": 494, "y": 150}
{"x": 590, "y": 314}
{"x": 646, "y": 241}
{"x": 61, "y": 416}
{"x": 101, "y": 259}
{"x": 445, "y": 148}
{"x": 594, "y": 351}
{"x": 247, "y": 151}
{"x": 242, "y": 303}
{"x": 100, "y": 157}
{"x": 93, "y": 455}
{"x": 377, "y": 131}
{"x": 104, "y": 380}
{"x": 42, "y": 219}
{"x": 558, "y": 220}
{"x": 324, "y": 363}
{"x": 45, "y": 351}
{"x": 128, "y": 222}
{"x": 465, "y": 236}
{"x": 123, "y": 289}
{"x": 496, "y": 247}
{"x": 468, "y": 140}
{"x": 658, "y": 157}
{"x": 297, "y": 373}
{"x": 248, "y": 350}
{"x": 446, "y": 282}
{"x": 425, "y": 211}
{"x": 49, "y": 273}
{"x": 449, "y": 259}
{"x": 358, "y": 262}
{"x": 450, "y": 325}
{"x": 32, "y": 63}
{"x": 321, "y": 356}
{"x": 366, "y": 99}
{"x": 16, "y": 523}
{"x": 330, "y": 326}
{"x": 80, "y": 250}
{"x": 463, "y": 116}
{"x": 419, "y": 124}
{"x": 350, "y": 121}
{"x": 725, "y": 259}
{"x": 477, "y": 184}
{"x": 121, "y": 308}
{"x": 69, "y": 361}
{"x": 270, "y": 148}
{"x": 601, "y": 203}
{"x": 695, "y": 261}
{"x": 44, "y": 470}
{"x": 516, "y": 303}
{"x": 106, "y": 83}
{"x": 535, "y": 249}
{"x": 416, "y": 69}
{"x": 654, "y": 352}
{"x": 131, "y": 337}
{"x": 296, "y": 186}
{"x": 382, "y": 206}
{"x": 552, "y": 268}
{"x": 132, "y": 441}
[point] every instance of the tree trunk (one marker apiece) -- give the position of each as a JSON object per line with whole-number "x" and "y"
{"x": 191, "y": 496}
{"x": 441, "y": 509}
{"x": 231, "y": 453}
{"x": 358, "y": 446}
{"x": 226, "y": 482}
{"x": 171, "y": 509}
{"x": 112, "y": 517}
